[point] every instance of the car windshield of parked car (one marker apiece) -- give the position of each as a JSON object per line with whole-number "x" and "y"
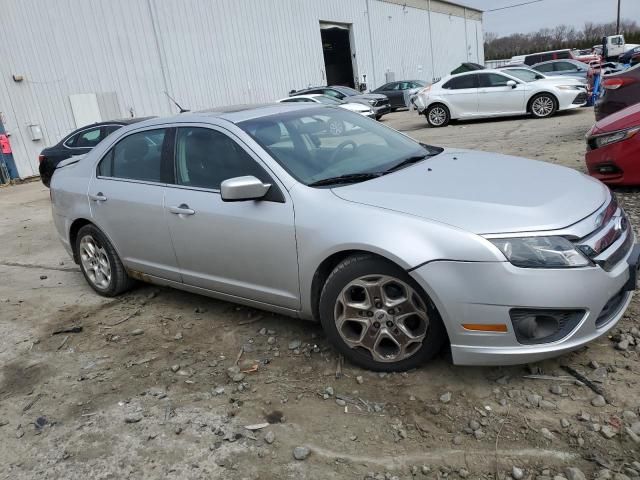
{"x": 316, "y": 144}
{"x": 525, "y": 74}
{"x": 349, "y": 92}
{"x": 328, "y": 100}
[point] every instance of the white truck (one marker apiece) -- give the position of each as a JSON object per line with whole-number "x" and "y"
{"x": 615, "y": 45}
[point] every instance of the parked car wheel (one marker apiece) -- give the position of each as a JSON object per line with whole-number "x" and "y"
{"x": 438, "y": 115}
{"x": 100, "y": 263}
{"x": 336, "y": 127}
{"x": 543, "y": 105}
{"x": 378, "y": 317}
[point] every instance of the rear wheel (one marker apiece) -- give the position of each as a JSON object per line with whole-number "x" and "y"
{"x": 543, "y": 105}
{"x": 100, "y": 263}
{"x": 378, "y": 317}
{"x": 438, "y": 115}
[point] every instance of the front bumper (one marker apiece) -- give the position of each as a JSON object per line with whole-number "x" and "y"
{"x": 486, "y": 292}
{"x": 617, "y": 163}
{"x": 381, "y": 109}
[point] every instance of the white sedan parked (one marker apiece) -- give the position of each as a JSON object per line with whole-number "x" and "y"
{"x": 496, "y": 93}
{"x": 326, "y": 100}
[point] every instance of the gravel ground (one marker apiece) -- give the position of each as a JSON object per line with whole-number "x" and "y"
{"x": 147, "y": 385}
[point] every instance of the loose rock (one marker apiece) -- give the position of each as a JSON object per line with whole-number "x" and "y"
{"x": 598, "y": 401}
{"x": 573, "y": 473}
{"x": 134, "y": 417}
{"x": 270, "y": 437}
{"x": 517, "y": 473}
{"x": 294, "y": 344}
{"x": 301, "y": 453}
{"x": 445, "y": 397}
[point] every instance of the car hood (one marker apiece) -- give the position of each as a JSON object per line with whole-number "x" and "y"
{"x": 564, "y": 80}
{"x": 368, "y": 96}
{"x": 626, "y": 118}
{"x": 484, "y": 192}
{"x": 356, "y": 107}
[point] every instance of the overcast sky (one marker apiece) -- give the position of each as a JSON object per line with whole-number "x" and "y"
{"x": 549, "y": 13}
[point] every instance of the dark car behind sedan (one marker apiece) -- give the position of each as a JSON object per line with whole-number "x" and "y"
{"x": 400, "y": 92}
{"x": 78, "y": 142}
{"x": 619, "y": 90}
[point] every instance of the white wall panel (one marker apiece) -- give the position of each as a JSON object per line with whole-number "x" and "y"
{"x": 206, "y": 53}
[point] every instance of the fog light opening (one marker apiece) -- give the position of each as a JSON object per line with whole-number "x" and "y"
{"x": 536, "y": 327}
{"x": 544, "y": 326}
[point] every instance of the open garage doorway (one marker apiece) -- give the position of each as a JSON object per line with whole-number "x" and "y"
{"x": 339, "y": 56}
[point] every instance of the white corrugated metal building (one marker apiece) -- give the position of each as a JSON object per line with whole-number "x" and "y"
{"x": 64, "y": 63}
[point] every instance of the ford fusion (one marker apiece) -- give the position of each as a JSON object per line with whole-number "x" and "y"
{"x": 395, "y": 247}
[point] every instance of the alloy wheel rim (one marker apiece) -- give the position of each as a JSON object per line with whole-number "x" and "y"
{"x": 543, "y": 106}
{"x": 437, "y": 116}
{"x": 335, "y": 128}
{"x": 95, "y": 262}
{"x": 383, "y": 316}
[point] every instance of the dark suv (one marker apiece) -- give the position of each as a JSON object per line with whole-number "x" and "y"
{"x": 620, "y": 90}
{"x": 78, "y": 142}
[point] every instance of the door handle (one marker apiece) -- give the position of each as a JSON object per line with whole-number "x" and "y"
{"x": 98, "y": 197}
{"x": 183, "y": 209}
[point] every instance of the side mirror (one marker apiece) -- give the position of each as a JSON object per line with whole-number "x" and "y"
{"x": 239, "y": 189}
{"x": 512, "y": 84}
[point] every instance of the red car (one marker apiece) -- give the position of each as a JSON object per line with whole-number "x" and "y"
{"x": 613, "y": 148}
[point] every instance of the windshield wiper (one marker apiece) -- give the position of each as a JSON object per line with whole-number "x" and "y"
{"x": 348, "y": 178}
{"x": 406, "y": 162}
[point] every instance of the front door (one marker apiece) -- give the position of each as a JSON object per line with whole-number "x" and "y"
{"x": 127, "y": 203}
{"x": 245, "y": 249}
{"x": 495, "y": 97}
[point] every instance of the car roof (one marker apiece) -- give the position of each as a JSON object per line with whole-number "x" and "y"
{"x": 232, "y": 113}
{"x": 570, "y": 60}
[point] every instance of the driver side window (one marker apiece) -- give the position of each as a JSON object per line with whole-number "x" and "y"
{"x": 333, "y": 93}
{"x": 205, "y": 158}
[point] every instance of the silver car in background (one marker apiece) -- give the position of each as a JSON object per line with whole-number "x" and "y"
{"x": 396, "y": 247}
{"x": 496, "y": 93}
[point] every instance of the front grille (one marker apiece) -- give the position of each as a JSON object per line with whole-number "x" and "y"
{"x": 580, "y": 99}
{"x": 380, "y": 103}
{"x": 617, "y": 256}
{"x": 611, "y": 308}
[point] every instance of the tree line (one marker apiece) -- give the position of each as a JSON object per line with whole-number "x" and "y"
{"x": 560, "y": 37}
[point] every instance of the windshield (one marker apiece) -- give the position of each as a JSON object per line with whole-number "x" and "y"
{"x": 349, "y": 92}
{"x": 525, "y": 74}
{"x": 328, "y": 100}
{"x": 319, "y": 143}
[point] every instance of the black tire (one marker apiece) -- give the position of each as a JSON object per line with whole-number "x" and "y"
{"x": 438, "y": 115}
{"x": 545, "y": 99}
{"x": 363, "y": 265}
{"x": 378, "y": 117}
{"x": 119, "y": 279}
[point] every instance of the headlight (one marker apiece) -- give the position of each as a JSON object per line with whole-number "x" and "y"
{"x": 570, "y": 87}
{"x": 372, "y": 102}
{"x": 540, "y": 252}
{"x": 609, "y": 138}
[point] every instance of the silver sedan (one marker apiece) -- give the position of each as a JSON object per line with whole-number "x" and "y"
{"x": 396, "y": 247}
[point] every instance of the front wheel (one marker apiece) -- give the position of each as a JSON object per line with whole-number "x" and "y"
{"x": 100, "y": 263}
{"x": 438, "y": 115}
{"x": 378, "y": 317}
{"x": 543, "y": 105}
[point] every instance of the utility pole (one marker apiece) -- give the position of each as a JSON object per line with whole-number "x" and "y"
{"x": 618, "y": 22}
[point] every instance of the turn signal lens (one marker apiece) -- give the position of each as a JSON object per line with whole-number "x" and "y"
{"x": 609, "y": 138}
{"x": 489, "y": 327}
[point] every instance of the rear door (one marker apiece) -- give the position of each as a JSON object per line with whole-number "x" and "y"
{"x": 495, "y": 97}
{"x": 461, "y": 93}
{"x": 243, "y": 249}
{"x": 126, "y": 197}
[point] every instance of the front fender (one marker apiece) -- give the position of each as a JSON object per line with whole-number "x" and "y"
{"x": 327, "y": 224}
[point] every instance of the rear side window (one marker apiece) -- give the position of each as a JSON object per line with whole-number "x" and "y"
{"x": 492, "y": 80}
{"x": 565, "y": 66}
{"x": 458, "y": 83}
{"x": 135, "y": 157}
{"x": 85, "y": 139}
{"x": 205, "y": 158}
{"x": 545, "y": 68}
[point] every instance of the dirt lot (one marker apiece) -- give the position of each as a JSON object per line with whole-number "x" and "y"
{"x": 144, "y": 389}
